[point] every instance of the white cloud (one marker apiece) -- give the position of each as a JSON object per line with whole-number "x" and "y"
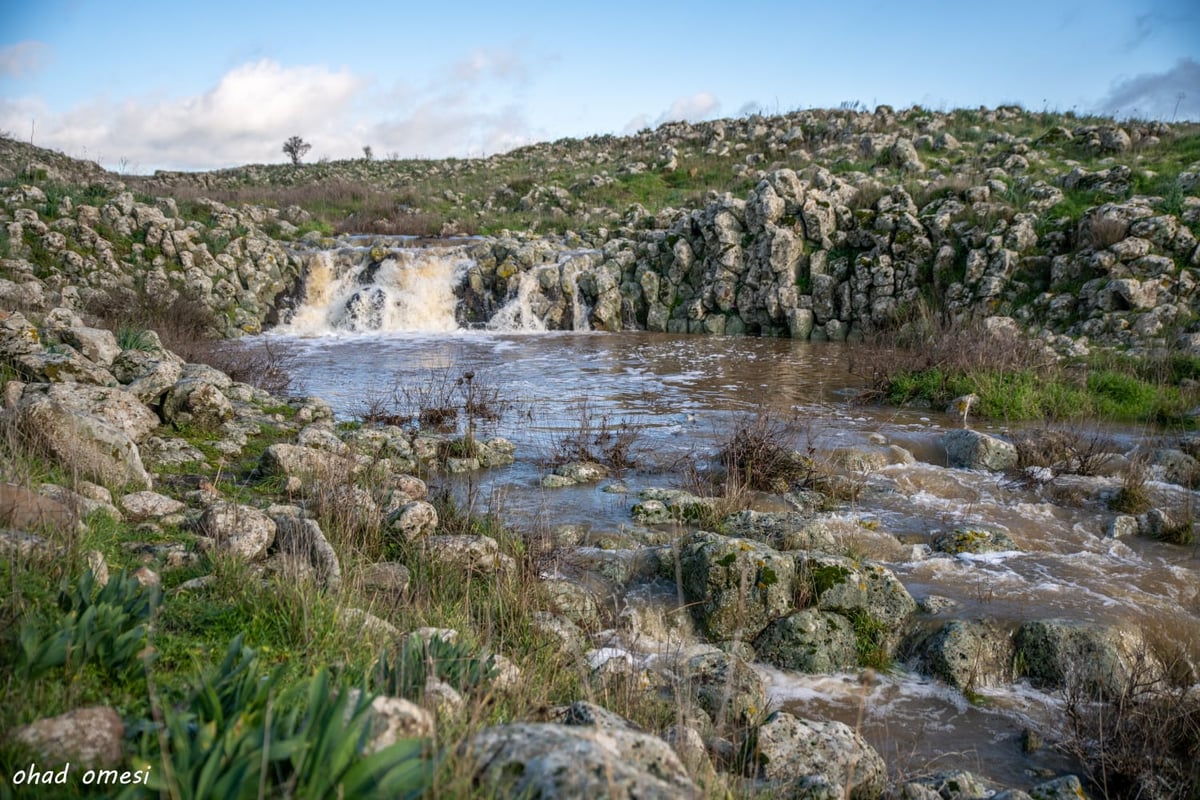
{"x": 252, "y": 109}
{"x": 1170, "y": 95}
{"x": 640, "y": 122}
{"x": 23, "y": 58}
{"x": 691, "y": 108}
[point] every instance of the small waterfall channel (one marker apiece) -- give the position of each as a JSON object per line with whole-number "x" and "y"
{"x": 392, "y": 287}
{"x": 374, "y": 316}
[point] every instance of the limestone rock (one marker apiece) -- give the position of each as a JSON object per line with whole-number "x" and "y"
{"x": 303, "y": 539}
{"x": 735, "y": 586}
{"x": 968, "y": 654}
{"x": 549, "y": 760}
{"x": 972, "y": 540}
{"x": 788, "y": 749}
{"x": 89, "y": 737}
{"x": 193, "y": 402}
{"x": 414, "y": 520}
{"x": 243, "y": 530}
{"x": 393, "y": 719}
{"x": 726, "y": 687}
{"x": 140, "y": 506}
{"x": 87, "y": 445}
{"x": 471, "y": 553}
{"x": 969, "y": 449}
{"x": 809, "y": 641}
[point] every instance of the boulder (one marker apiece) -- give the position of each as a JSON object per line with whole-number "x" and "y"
{"x": 393, "y": 719}
{"x": 1062, "y": 654}
{"x": 140, "y": 506}
{"x": 196, "y": 403}
{"x": 550, "y": 760}
{"x": 95, "y": 344}
{"x": 968, "y": 654}
{"x": 305, "y": 463}
{"x": 972, "y": 540}
{"x": 785, "y": 749}
{"x": 808, "y": 641}
{"x": 967, "y": 449}
{"x": 735, "y": 586}
{"x": 480, "y": 554}
{"x": 414, "y": 520}
{"x": 242, "y": 530}
{"x": 91, "y": 737}
{"x": 859, "y": 588}
{"x": 86, "y": 445}
{"x": 304, "y": 540}
{"x": 117, "y": 407}
{"x": 726, "y": 687}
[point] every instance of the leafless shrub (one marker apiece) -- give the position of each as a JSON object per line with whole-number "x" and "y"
{"x": 1142, "y": 742}
{"x": 1133, "y": 497}
{"x": 1064, "y": 449}
{"x": 760, "y": 450}
{"x": 595, "y": 438}
{"x": 1105, "y": 231}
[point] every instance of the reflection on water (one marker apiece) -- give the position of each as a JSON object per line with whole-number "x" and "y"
{"x": 684, "y": 391}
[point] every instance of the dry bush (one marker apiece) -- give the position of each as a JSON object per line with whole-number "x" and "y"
{"x": 1133, "y": 497}
{"x": 1064, "y": 449}
{"x": 1105, "y": 231}
{"x": 597, "y": 440}
{"x": 1143, "y": 742}
{"x": 760, "y": 450}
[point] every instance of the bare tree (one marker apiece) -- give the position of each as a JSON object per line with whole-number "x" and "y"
{"x": 295, "y": 148}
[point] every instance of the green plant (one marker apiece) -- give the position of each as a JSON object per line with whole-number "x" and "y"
{"x": 107, "y": 627}
{"x": 236, "y": 734}
{"x": 420, "y": 659}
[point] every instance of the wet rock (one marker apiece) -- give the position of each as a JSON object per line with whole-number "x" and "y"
{"x": 968, "y": 654}
{"x": 953, "y": 784}
{"x": 787, "y": 530}
{"x": 808, "y": 641}
{"x": 967, "y": 449}
{"x": 859, "y": 588}
{"x": 242, "y": 530}
{"x": 972, "y": 540}
{"x": 726, "y": 687}
{"x": 1059, "y": 654}
{"x": 87, "y": 737}
{"x": 550, "y": 760}
{"x": 1067, "y": 787}
{"x": 786, "y": 749}
{"x": 735, "y": 586}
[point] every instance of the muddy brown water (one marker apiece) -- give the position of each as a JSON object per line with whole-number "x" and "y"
{"x": 683, "y": 393}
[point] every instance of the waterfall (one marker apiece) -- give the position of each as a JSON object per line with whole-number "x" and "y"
{"x": 402, "y": 289}
{"x": 417, "y": 289}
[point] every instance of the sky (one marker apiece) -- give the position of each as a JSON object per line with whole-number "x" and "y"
{"x": 140, "y": 86}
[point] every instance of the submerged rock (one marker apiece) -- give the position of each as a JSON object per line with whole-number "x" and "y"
{"x": 967, "y": 449}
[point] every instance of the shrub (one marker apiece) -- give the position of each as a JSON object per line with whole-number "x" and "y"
{"x": 599, "y": 441}
{"x": 760, "y": 451}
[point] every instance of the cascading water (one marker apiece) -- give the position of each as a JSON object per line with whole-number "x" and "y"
{"x": 418, "y": 289}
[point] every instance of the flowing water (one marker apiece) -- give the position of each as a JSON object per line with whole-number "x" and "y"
{"x": 359, "y": 337}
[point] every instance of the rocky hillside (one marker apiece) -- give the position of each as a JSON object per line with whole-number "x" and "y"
{"x": 816, "y": 224}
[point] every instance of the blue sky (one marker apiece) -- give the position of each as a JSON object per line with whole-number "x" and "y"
{"x": 141, "y": 86}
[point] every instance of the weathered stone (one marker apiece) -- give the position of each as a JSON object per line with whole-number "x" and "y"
{"x": 859, "y": 588}
{"x": 968, "y": 655}
{"x": 470, "y": 553}
{"x": 193, "y": 402}
{"x": 726, "y": 687}
{"x": 393, "y": 719}
{"x": 789, "y": 749}
{"x": 972, "y": 540}
{"x": 89, "y": 737}
{"x": 95, "y": 344}
{"x": 140, "y": 506}
{"x": 388, "y": 577}
{"x": 1060, "y": 654}
{"x": 735, "y": 586}
{"x": 549, "y": 760}
{"x": 304, "y": 539}
{"x": 118, "y": 408}
{"x": 809, "y": 641}
{"x": 242, "y": 530}
{"x": 969, "y": 449}
{"x": 414, "y": 520}
{"x": 86, "y": 445}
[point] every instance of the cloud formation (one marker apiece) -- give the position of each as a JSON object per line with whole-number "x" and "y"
{"x": 23, "y": 58}
{"x": 691, "y": 108}
{"x": 1170, "y": 95}
{"x": 253, "y": 108}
